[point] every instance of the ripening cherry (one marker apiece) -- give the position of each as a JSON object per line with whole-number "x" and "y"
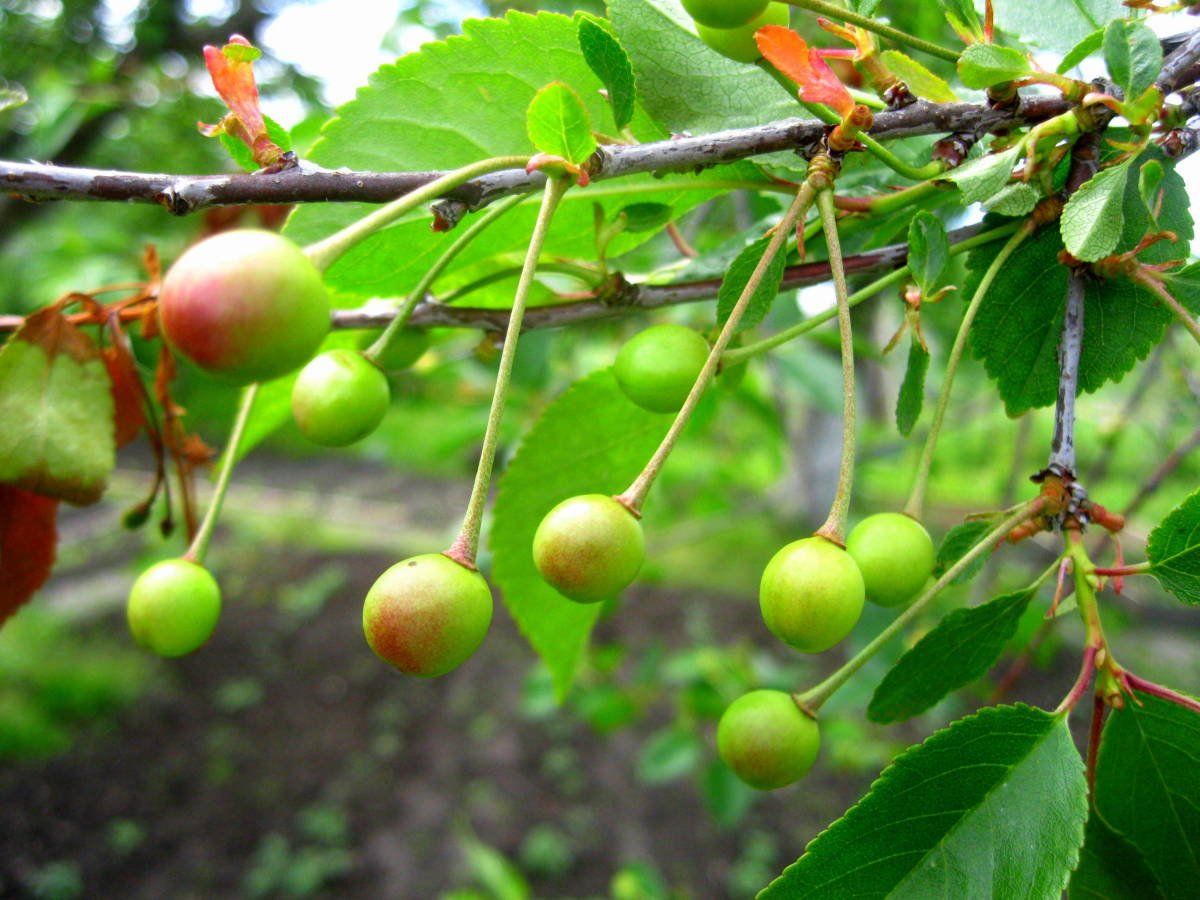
{"x": 656, "y": 368}
{"x": 173, "y": 607}
{"x": 426, "y": 615}
{"x": 589, "y": 548}
{"x": 895, "y": 555}
{"x": 767, "y": 740}
{"x": 811, "y": 594}
{"x": 738, "y": 43}
{"x": 404, "y": 348}
{"x": 339, "y": 397}
{"x": 724, "y": 13}
{"x": 244, "y": 306}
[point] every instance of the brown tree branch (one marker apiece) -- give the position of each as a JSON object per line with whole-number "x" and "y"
{"x": 183, "y": 194}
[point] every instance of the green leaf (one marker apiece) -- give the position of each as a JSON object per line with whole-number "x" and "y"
{"x": 608, "y": 59}
{"x": 727, "y": 797}
{"x": 961, "y": 649}
{"x": 985, "y": 65}
{"x": 646, "y": 216}
{"x": 589, "y": 440}
{"x": 493, "y": 870}
{"x": 928, "y": 251}
{"x": 11, "y": 97}
{"x": 1150, "y": 178}
{"x": 954, "y": 546}
{"x": 1016, "y": 331}
{"x": 1133, "y": 55}
{"x": 668, "y": 754}
{"x": 1173, "y": 549}
{"x": 962, "y": 17}
{"x": 919, "y": 79}
{"x": 738, "y": 276}
{"x": 1056, "y": 26}
{"x": 558, "y": 124}
{"x": 455, "y": 102}
{"x": 57, "y": 436}
{"x": 1081, "y": 51}
{"x": 865, "y": 7}
{"x": 942, "y": 820}
{"x": 911, "y": 398}
{"x": 1111, "y": 868}
{"x": 1147, "y": 785}
{"x": 1093, "y": 218}
{"x": 243, "y": 156}
{"x": 1015, "y": 199}
{"x": 683, "y": 84}
{"x": 982, "y": 177}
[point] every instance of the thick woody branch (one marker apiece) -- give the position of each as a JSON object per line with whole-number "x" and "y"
{"x": 183, "y": 194}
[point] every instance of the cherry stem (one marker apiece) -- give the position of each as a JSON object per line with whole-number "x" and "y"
{"x": 740, "y": 354}
{"x": 466, "y": 545}
{"x": 812, "y": 699}
{"x": 1093, "y": 749}
{"x": 1117, "y": 571}
{"x": 635, "y": 495}
{"x": 835, "y": 11}
{"x": 834, "y": 528}
{"x": 1138, "y": 683}
{"x": 1086, "y": 671}
{"x": 381, "y": 344}
{"x": 916, "y": 499}
{"x": 1177, "y": 309}
{"x": 325, "y": 252}
{"x": 229, "y": 459}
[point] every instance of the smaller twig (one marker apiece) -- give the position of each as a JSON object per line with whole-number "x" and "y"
{"x": 1086, "y": 670}
{"x": 1165, "y": 468}
{"x": 1070, "y": 345}
{"x": 1099, "y": 708}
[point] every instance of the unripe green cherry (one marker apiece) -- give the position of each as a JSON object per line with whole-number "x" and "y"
{"x": 339, "y": 397}
{"x": 656, "y": 368}
{"x": 404, "y": 348}
{"x": 895, "y": 555}
{"x": 724, "y": 13}
{"x": 589, "y": 548}
{"x": 811, "y": 594}
{"x": 426, "y": 615}
{"x": 767, "y": 740}
{"x": 738, "y": 43}
{"x": 173, "y": 607}
{"x": 244, "y": 306}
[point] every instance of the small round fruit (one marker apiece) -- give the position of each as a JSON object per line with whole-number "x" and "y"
{"x": 173, "y": 607}
{"x": 656, "y": 368}
{"x": 811, "y": 594}
{"x": 244, "y": 306}
{"x": 895, "y": 555}
{"x": 724, "y": 13}
{"x": 767, "y": 740}
{"x": 339, "y": 397}
{"x": 403, "y": 349}
{"x": 738, "y": 43}
{"x": 427, "y": 614}
{"x": 589, "y": 548}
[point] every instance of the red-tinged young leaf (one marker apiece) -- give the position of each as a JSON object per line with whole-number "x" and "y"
{"x": 56, "y": 411}
{"x": 789, "y": 53}
{"x": 127, "y": 393}
{"x": 27, "y": 543}
{"x": 232, "y": 70}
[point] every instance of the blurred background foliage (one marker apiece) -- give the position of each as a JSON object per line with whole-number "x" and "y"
{"x": 121, "y": 85}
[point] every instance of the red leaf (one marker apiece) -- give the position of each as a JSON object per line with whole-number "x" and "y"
{"x": 27, "y": 544}
{"x": 789, "y": 53}
{"x": 128, "y": 415}
{"x": 232, "y": 70}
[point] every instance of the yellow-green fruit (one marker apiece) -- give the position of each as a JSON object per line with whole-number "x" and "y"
{"x": 426, "y": 615}
{"x": 895, "y": 555}
{"x": 811, "y": 594}
{"x": 656, "y": 368}
{"x": 767, "y": 740}
{"x": 738, "y": 43}
{"x": 724, "y": 13}
{"x": 173, "y": 607}
{"x": 339, "y": 397}
{"x": 589, "y": 548}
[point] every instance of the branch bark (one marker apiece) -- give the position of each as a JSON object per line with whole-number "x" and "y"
{"x": 183, "y": 194}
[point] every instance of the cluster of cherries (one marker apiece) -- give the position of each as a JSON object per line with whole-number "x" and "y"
{"x": 249, "y": 306}
{"x": 728, "y": 26}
